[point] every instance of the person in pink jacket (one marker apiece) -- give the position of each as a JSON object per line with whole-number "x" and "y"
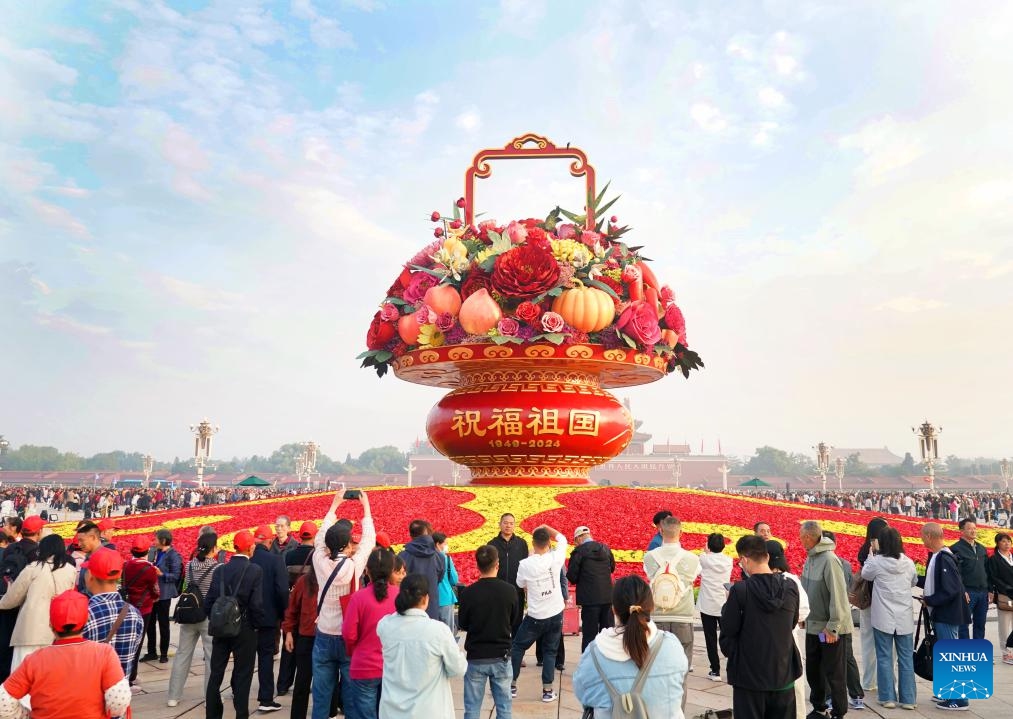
{"x": 365, "y": 609}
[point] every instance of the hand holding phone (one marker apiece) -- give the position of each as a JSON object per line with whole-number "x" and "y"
{"x": 352, "y": 494}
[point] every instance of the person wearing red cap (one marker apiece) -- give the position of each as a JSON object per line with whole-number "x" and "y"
{"x": 140, "y": 578}
{"x": 240, "y": 578}
{"x": 16, "y": 557}
{"x": 275, "y": 596}
{"x": 108, "y": 529}
{"x": 297, "y": 563}
{"x": 74, "y": 677}
{"x": 102, "y": 573}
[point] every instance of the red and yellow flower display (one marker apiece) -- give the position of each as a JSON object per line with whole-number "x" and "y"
{"x": 618, "y": 516}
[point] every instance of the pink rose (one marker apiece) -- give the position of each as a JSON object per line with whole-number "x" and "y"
{"x": 425, "y": 316}
{"x": 589, "y": 237}
{"x": 566, "y": 231}
{"x": 640, "y": 322}
{"x": 445, "y": 322}
{"x": 389, "y": 312}
{"x": 516, "y": 232}
{"x": 508, "y": 327}
{"x": 553, "y": 322}
{"x": 418, "y": 286}
{"x": 667, "y": 296}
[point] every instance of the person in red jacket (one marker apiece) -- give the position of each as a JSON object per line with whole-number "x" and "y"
{"x": 140, "y": 578}
{"x": 299, "y": 628}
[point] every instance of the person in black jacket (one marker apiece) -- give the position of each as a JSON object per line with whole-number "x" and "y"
{"x": 1001, "y": 571}
{"x": 242, "y": 579}
{"x": 511, "y": 549}
{"x": 275, "y": 596}
{"x": 944, "y": 593}
{"x": 591, "y": 567}
{"x": 756, "y": 635}
{"x": 16, "y": 557}
{"x": 972, "y": 558}
{"x": 298, "y": 561}
{"x": 488, "y": 610}
{"x": 421, "y": 557}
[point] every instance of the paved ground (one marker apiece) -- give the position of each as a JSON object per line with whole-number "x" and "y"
{"x": 703, "y": 693}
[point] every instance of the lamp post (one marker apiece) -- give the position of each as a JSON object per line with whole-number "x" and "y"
{"x": 202, "y": 446}
{"x": 928, "y": 443}
{"x": 4, "y": 445}
{"x": 1007, "y": 472}
{"x": 677, "y": 471}
{"x": 410, "y": 469}
{"x": 839, "y": 471}
{"x": 306, "y": 463}
{"x": 823, "y": 462}
{"x": 455, "y": 472}
{"x": 724, "y": 470}
{"x": 147, "y": 464}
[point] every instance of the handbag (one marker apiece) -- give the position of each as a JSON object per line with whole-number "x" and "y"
{"x": 1002, "y": 601}
{"x": 923, "y": 649}
{"x": 860, "y": 592}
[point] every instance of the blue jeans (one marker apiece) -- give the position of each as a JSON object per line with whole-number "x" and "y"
{"x": 499, "y": 676}
{"x": 365, "y": 699}
{"x": 885, "y": 644}
{"x": 329, "y": 659}
{"x": 949, "y": 631}
{"x": 979, "y": 610}
{"x": 527, "y": 634}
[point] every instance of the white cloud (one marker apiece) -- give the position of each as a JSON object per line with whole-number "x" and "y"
{"x": 75, "y": 36}
{"x": 470, "y": 120}
{"x": 191, "y": 294}
{"x": 770, "y": 97}
{"x": 324, "y": 31}
{"x": 909, "y": 305}
{"x": 888, "y": 147}
{"x": 60, "y": 217}
{"x": 708, "y": 117}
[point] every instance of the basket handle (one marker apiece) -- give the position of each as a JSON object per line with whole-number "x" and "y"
{"x": 518, "y": 149}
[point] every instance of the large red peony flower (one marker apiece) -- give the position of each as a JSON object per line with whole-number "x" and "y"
{"x": 675, "y": 321}
{"x": 475, "y": 281}
{"x": 379, "y": 333}
{"x": 525, "y": 271}
{"x": 640, "y": 322}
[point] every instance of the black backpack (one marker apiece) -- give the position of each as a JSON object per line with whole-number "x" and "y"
{"x": 226, "y": 616}
{"x": 190, "y": 605}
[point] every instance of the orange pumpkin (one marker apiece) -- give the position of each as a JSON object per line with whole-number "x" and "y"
{"x": 587, "y": 309}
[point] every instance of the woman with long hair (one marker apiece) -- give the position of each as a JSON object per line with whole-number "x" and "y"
{"x": 299, "y": 628}
{"x": 358, "y": 628}
{"x": 614, "y": 659}
{"x": 419, "y": 657}
{"x": 892, "y": 574}
{"x": 1000, "y": 569}
{"x": 873, "y": 530}
{"x": 198, "y": 577}
{"x": 33, "y": 590}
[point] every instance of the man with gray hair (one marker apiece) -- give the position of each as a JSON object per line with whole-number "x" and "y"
{"x": 829, "y": 619}
{"x": 283, "y": 540}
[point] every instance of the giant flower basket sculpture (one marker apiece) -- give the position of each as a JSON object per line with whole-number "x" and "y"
{"x": 529, "y": 323}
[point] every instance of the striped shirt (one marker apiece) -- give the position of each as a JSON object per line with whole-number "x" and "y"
{"x": 201, "y": 571}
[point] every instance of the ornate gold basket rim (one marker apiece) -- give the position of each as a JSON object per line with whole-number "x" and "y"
{"x": 446, "y": 366}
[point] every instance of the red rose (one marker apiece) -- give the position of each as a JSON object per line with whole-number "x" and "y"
{"x": 418, "y": 286}
{"x": 475, "y": 281}
{"x": 674, "y": 320}
{"x": 379, "y": 334}
{"x": 640, "y": 322}
{"x": 525, "y": 271}
{"x": 528, "y": 312}
{"x": 667, "y": 296}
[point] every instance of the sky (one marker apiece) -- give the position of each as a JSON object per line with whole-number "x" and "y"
{"x": 202, "y": 203}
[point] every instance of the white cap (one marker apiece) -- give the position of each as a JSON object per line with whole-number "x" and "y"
{"x": 580, "y": 530}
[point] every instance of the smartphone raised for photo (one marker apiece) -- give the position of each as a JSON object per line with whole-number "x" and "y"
{"x": 352, "y": 494}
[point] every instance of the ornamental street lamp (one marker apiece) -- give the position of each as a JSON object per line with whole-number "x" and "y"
{"x": 148, "y": 464}
{"x": 839, "y": 471}
{"x": 928, "y": 442}
{"x": 306, "y": 463}
{"x": 4, "y": 444}
{"x": 1006, "y": 467}
{"x": 823, "y": 462}
{"x": 677, "y": 471}
{"x": 202, "y": 447}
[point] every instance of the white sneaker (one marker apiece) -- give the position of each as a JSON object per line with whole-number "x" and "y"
{"x": 172, "y": 703}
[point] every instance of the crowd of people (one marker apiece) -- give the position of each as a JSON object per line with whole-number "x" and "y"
{"x": 369, "y": 632}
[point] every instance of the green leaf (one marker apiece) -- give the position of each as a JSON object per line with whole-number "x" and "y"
{"x": 488, "y": 263}
{"x": 601, "y": 194}
{"x": 555, "y": 338}
{"x": 577, "y": 219}
{"x": 603, "y": 210}
{"x": 555, "y": 291}
{"x": 601, "y": 286}
{"x": 395, "y": 301}
{"x": 381, "y": 369}
{"x": 434, "y": 273}
{"x": 383, "y": 356}
{"x": 367, "y": 353}
{"x": 457, "y": 212}
{"x": 500, "y": 339}
{"x": 627, "y": 339}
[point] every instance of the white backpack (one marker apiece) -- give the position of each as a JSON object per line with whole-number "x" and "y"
{"x": 668, "y": 590}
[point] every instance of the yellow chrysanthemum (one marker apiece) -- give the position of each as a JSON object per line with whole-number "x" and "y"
{"x": 430, "y": 336}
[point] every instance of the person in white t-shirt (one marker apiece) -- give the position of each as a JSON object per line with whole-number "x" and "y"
{"x": 538, "y": 575}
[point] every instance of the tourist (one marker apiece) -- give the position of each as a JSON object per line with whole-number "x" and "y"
{"x": 656, "y": 521}
{"x": 757, "y": 623}
{"x": 298, "y": 561}
{"x": 591, "y": 567}
{"x": 892, "y": 574}
{"x": 420, "y": 657}
{"x": 488, "y": 611}
{"x": 74, "y": 677}
{"x": 169, "y": 566}
{"x": 448, "y": 583}
{"x": 102, "y": 574}
{"x": 853, "y": 679}
{"x": 364, "y": 611}
{"x": 972, "y": 559}
{"x": 107, "y": 531}
{"x": 140, "y": 583}
{"x": 421, "y": 557}
{"x": 613, "y": 661}
{"x": 512, "y": 550}
{"x": 299, "y": 627}
{"x": 829, "y": 619}
{"x": 539, "y": 576}
{"x": 274, "y": 591}
{"x": 284, "y": 541}
{"x": 778, "y": 564}
{"x": 336, "y": 573}
{"x": 715, "y": 573}
{"x": 762, "y": 530}
{"x": 1000, "y": 569}
{"x": 199, "y": 572}
{"x": 52, "y": 574}
{"x": 239, "y": 578}
{"x": 671, "y": 559}
{"x": 944, "y": 595}
{"x": 873, "y": 529}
